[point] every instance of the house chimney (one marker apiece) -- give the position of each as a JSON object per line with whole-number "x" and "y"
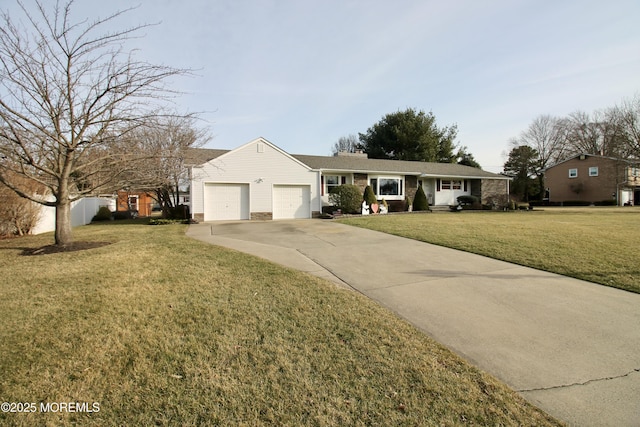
{"x": 358, "y": 153}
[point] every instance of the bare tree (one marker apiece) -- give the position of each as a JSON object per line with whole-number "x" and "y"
{"x": 628, "y": 115}
{"x": 545, "y": 135}
{"x": 583, "y": 134}
{"x": 70, "y": 96}
{"x": 166, "y": 143}
{"x": 348, "y": 144}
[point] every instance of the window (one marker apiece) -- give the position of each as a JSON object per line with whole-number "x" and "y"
{"x": 448, "y": 184}
{"x": 390, "y": 187}
{"x": 593, "y": 171}
{"x": 573, "y": 173}
{"x": 333, "y": 181}
{"x": 387, "y": 186}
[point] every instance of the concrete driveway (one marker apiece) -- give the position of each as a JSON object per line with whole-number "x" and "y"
{"x": 570, "y": 347}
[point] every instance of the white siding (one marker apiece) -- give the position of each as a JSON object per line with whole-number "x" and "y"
{"x": 446, "y": 196}
{"x": 259, "y": 164}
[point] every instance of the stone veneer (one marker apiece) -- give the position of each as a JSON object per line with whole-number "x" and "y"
{"x": 261, "y": 216}
{"x": 492, "y": 190}
{"x": 410, "y": 186}
{"x": 361, "y": 180}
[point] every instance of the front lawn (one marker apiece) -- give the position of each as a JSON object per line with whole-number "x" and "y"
{"x": 159, "y": 329}
{"x": 596, "y": 244}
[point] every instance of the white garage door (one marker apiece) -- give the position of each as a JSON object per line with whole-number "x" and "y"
{"x": 226, "y": 202}
{"x": 291, "y": 201}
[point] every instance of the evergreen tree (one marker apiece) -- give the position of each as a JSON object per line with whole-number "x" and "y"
{"x": 369, "y": 197}
{"x": 420, "y": 202}
{"x": 410, "y": 135}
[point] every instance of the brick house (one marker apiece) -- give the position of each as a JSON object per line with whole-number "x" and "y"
{"x": 593, "y": 178}
{"x": 139, "y": 201}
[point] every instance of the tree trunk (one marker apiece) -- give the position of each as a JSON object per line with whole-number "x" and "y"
{"x": 63, "y": 223}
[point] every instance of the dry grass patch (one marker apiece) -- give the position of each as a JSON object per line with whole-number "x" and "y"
{"x": 160, "y": 329}
{"x": 594, "y": 244}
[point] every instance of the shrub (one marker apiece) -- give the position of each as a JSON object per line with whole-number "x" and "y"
{"x": 468, "y": 200}
{"x": 608, "y": 202}
{"x": 125, "y": 214}
{"x": 397, "y": 205}
{"x": 369, "y": 197}
{"x": 420, "y": 202}
{"x": 575, "y": 203}
{"x": 103, "y": 214}
{"x": 179, "y": 212}
{"x": 18, "y": 216}
{"x": 347, "y": 198}
{"x": 162, "y": 221}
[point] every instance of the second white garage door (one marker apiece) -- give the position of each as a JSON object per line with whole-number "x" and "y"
{"x": 226, "y": 201}
{"x": 291, "y": 201}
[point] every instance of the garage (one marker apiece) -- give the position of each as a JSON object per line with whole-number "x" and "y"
{"x": 226, "y": 201}
{"x": 291, "y": 201}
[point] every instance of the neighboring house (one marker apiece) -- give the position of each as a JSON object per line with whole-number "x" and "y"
{"x": 261, "y": 181}
{"x": 595, "y": 179}
{"x": 139, "y": 201}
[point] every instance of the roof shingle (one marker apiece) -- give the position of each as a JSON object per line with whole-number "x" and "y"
{"x": 198, "y": 156}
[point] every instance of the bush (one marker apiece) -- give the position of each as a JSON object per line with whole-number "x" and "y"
{"x": 420, "y": 202}
{"x": 125, "y": 214}
{"x": 369, "y": 197}
{"x": 18, "y": 216}
{"x": 347, "y": 198}
{"x": 103, "y": 214}
{"x": 397, "y": 205}
{"x": 468, "y": 200}
{"x": 608, "y": 202}
{"x": 575, "y": 203}
{"x": 179, "y": 212}
{"x": 162, "y": 221}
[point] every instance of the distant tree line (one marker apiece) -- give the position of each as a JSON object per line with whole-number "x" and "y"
{"x": 612, "y": 132}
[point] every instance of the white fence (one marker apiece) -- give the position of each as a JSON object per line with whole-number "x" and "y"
{"x": 82, "y": 211}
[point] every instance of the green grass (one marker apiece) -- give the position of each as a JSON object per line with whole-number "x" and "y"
{"x": 160, "y": 329}
{"x": 594, "y": 244}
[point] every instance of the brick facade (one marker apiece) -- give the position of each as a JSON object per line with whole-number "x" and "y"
{"x": 604, "y": 184}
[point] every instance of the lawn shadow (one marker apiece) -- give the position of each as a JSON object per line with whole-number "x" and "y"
{"x": 54, "y": 249}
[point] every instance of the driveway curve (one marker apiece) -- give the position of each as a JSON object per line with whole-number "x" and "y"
{"x": 568, "y": 346}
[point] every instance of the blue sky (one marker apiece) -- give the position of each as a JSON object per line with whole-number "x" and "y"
{"x": 304, "y": 73}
